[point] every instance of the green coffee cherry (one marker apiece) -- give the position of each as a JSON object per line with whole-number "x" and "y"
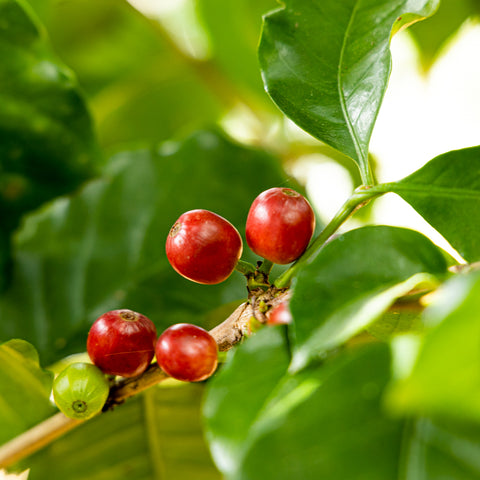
{"x": 81, "y": 390}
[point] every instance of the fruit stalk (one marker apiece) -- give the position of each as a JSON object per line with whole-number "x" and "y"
{"x": 361, "y": 196}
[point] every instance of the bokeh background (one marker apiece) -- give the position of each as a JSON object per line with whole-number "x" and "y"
{"x": 148, "y": 76}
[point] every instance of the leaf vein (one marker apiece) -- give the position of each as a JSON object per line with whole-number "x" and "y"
{"x": 341, "y": 92}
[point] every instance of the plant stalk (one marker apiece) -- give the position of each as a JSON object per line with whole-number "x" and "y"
{"x": 366, "y": 174}
{"x": 227, "y": 334}
{"x": 359, "y": 199}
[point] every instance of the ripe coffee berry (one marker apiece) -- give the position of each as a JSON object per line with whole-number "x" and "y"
{"x": 279, "y": 315}
{"x": 203, "y": 247}
{"x": 122, "y": 342}
{"x": 81, "y": 390}
{"x": 280, "y": 224}
{"x": 187, "y": 352}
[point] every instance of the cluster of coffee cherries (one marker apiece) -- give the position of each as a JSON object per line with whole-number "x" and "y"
{"x": 204, "y": 248}
{"x": 123, "y": 343}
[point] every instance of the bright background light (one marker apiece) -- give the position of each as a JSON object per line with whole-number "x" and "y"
{"x": 422, "y": 116}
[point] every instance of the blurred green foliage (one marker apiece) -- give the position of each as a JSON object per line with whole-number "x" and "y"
{"x": 433, "y": 34}
{"x": 113, "y": 122}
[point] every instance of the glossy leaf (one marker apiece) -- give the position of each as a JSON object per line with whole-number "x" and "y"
{"x": 446, "y": 192}
{"x": 24, "y": 389}
{"x": 332, "y": 413}
{"x": 155, "y": 435}
{"x": 140, "y": 89}
{"x": 105, "y": 247}
{"x": 444, "y": 377}
{"x": 352, "y": 282}
{"x": 47, "y": 145}
{"x": 103, "y": 42}
{"x": 326, "y": 65}
{"x": 306, "y": 425}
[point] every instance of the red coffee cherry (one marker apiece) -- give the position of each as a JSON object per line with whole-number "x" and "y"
{"x": 122, "y": 342}
{"x": 203, "y": 247}
{"x": 279, "y": 315}
{"x": 280, "y": 224}
{"x": 187, "y": 352}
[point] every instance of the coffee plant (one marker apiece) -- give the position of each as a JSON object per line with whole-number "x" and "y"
{"x": 171, "y": 305}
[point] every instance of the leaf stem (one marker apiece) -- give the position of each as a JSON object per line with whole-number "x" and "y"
{"x": 366, "y": 173}
{"x": 361, "y": 196}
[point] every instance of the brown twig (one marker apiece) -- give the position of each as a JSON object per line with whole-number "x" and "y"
{"x": 465, "y": 267}
{"x": 227, "y": 334}
{"x": 36, "y": 438}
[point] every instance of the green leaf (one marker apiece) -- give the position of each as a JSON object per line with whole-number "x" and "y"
{"x": 353, "y": 280}
{"x": 155, "y": 435}
{"x": 235, "y": 397}
{"x": 326, "y": 64}
{"x": 47, "y": 145}
{"x": 103, "y": 42}
{"x": 105, "y": 247}
{"x": 140, "y": 89}
{"x": 441, "y": 449}
{"x": 307, "y": 425}
{"x": 159, "y": 103}
{"x": 24, "y": 389}
{"x": 4, "y": 258}
{"x": 334, "y": 414}
{"x": 404, "y": 318}
{"x": 444, "y": 377}
{"x": 446, "y": 192}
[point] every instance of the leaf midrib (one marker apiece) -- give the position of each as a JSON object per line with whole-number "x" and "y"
{"x": 428, "y": 190}
{"x": 343, "y": 103}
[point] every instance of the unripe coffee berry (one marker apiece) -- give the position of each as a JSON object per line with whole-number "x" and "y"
{"x": 80, "y": 390}
{"x": 280, "y": 224}
{"x": 203, "y": 247}
{"x": 122, "y": 342}
{"x": 187, "y": 352}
